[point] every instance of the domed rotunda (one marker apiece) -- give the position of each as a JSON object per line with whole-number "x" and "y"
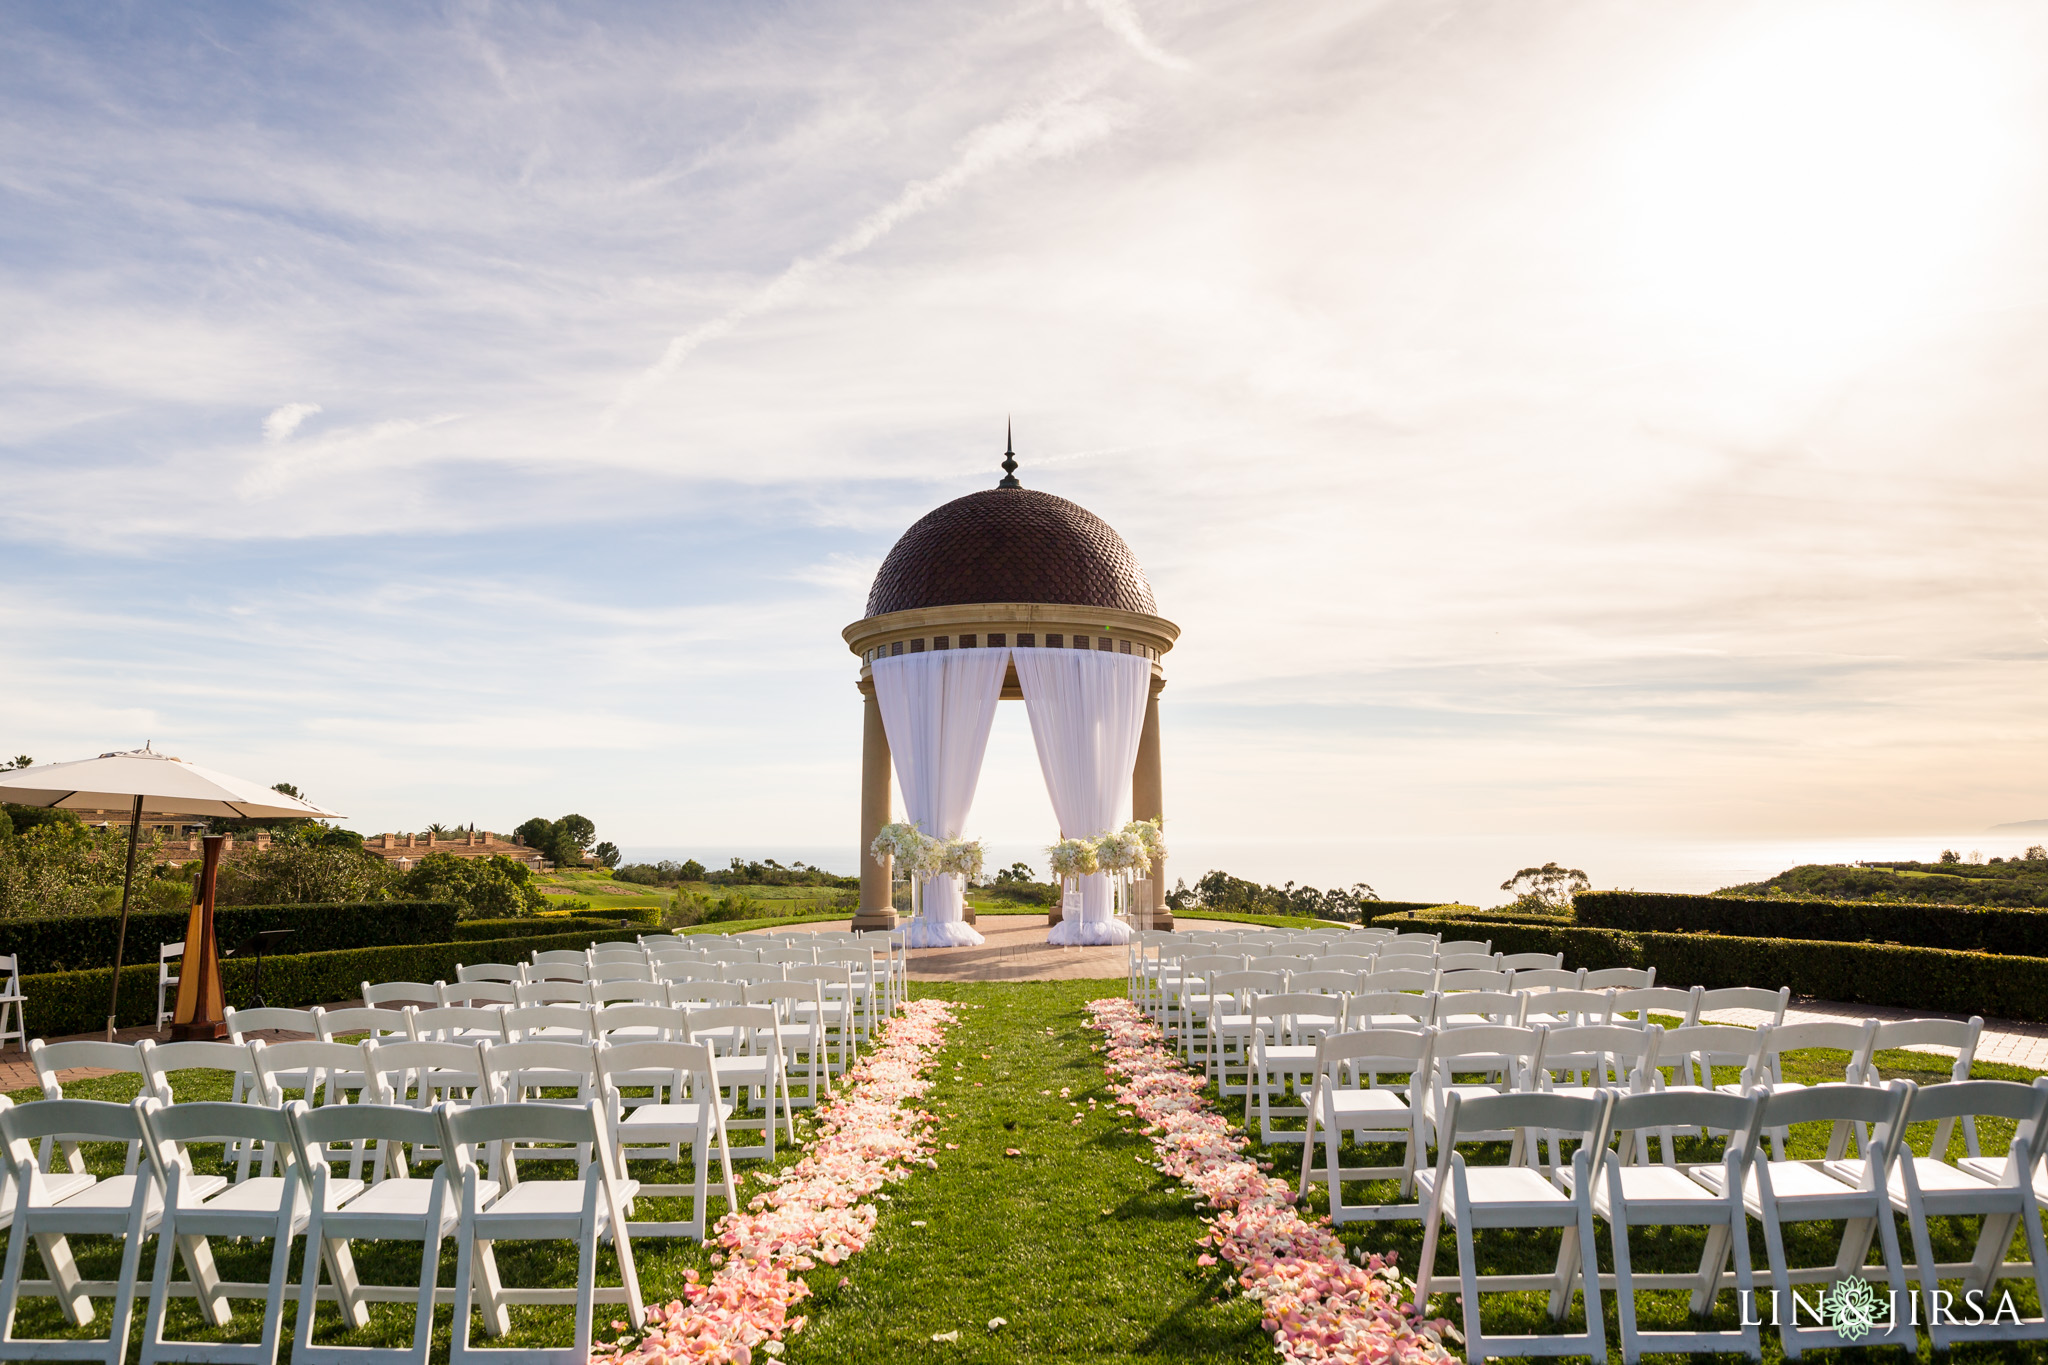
{"x": 1011, "y": 585}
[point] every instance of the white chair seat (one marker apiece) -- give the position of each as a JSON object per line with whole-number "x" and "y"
{"x": 1935, "y": 1177}
{"x": 1496, "y": 1187}
{"x": 685, "y": 1115}
{"x": 1280, "y": 1058}
{"x": 1790, "y": 1180}
{"x": 1649, "y": 1185}
{"x": 116, "y": 1192}
{"x": 406, "y": 1198}
{"x": 547, "y": 1199}
{"x": 265, "y": 1194}
{"x": 1378, "y": 1102}
{"x": 57, "y": 1185}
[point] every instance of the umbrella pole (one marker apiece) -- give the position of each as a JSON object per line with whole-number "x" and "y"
{"x": 121, "y": 940}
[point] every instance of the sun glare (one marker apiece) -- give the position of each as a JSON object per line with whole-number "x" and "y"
{"x": 1816, "y": 181}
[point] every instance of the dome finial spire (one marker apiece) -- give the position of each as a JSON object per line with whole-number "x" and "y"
{"x": 1009, "y": 479}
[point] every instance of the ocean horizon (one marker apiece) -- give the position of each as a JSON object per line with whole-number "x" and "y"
{"x": 1465, "y": 868}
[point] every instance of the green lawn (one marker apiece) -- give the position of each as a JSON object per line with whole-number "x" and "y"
{"x": 1085, "y": 1250}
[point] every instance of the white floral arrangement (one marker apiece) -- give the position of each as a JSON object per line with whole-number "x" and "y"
{"x": 1122, "y": 851}
{"x": 1148, "y": 833}
{"x": 959, "y": 857}
{"x": 913, "y": 849}
{"x": 1074, "y": 858}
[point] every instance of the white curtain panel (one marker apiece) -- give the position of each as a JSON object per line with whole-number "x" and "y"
{"x": 1087, "y": 710}
{"x": 937, "y": 708}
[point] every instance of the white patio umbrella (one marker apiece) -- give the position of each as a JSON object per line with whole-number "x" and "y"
{"x": 145, "y": 784}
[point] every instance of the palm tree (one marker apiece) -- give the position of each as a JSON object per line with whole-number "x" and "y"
{"x": 437, "y": 830}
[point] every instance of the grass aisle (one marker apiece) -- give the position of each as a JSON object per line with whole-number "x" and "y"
{"x": 1078, "y": 1243}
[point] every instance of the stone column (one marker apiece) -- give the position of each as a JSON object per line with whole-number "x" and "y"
{"x": 1148, "y": 803}
{"x": 876, "y": 909}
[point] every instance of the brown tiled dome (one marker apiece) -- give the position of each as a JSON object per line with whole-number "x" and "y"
{"x": 1010, "y": 545}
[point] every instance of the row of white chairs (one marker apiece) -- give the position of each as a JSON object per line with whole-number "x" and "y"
{"x": 1861, "y": 1193}
{"x": 168, "y": 1198}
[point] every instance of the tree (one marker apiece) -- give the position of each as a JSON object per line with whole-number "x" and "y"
{"x": 607, "y": 854}
{"x": 437, "y": 830}
{"x": 1949, "y": 855}
{"x": 288, "y": 789}
{"x": 1016, "y": 872}
{"x": 496, "y": 887}
{"x": 22, "y": 761}
{"x": 304, "y": 874}
{"x": 577, "y": 831}
{"x": 2037, "y": 854}
{"x": 1549, "y": 888}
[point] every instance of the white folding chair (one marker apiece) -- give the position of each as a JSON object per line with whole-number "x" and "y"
{"x": 1568, "y": 1008}
{"x": 746, "y": 1040}
{"x": 51, "y": 1059}
{"x": 1997, "y": 1191}
{"x": 502, "y": 972}
{"x": 1519, "y": 962}
{"x": 1483, "y": 947}
{"x": 1777, "y": 1192}
{"x": 637, "y": 1023}
{"x": 11, "y": 999}
{"x": 683, "y": 1107}
{"x": 334, "y": 1026}
{"x": 1767, "y": 1069}
{"x": 1466, "y": 963}
{"x": 1633, "y": 1196}
{"x": 260, "y": 1206}
{"x": 1348, "y": 1097}
{"x": 1631, "y": 1006}
{"x": 1470, "y": 1009}
{"x": 586, "y": 1211}
{"x": 1962, "y": 1035}
{"x": 459, "y": 1024}
{"x": 1517, "y": 1196}
{"x": 1391, "y": 1009}
{"x": 799, "y": 1012}
{"x": 1548, "y": 978}
{"x": 1770, "y": 1004}
{"x": 550, "y": 1023}
{"x": 166, "y": 979}
{"x": 160, "y": 1061}
{"x": 49, "y": 1209}
{"x": 1619, "y": 978}
{"x": 1504, "y": 1052}
{"x": 574, "y": 993}
{"x": 479, "y": 994}
{"x": 1229, "y": 1022}
{"x": 1287, "y": 1030}
{"x": 398, "y": 1207}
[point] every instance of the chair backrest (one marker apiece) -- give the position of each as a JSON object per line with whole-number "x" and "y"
{"x": 1712, "y": 1044}
{"x": 2025, "y": 1105}
{"x": 795, "y": 957}
{"x": 51, "y": 1058}
{"x": 1497, "y": 1007}
{"x": 337, "y": 1123}
{"x": 1205, "y": 963}
{"x": 94, "y": 1120}
{"x": 1959, "y": 1034}
{"x": 1324, "y": 981}
{"x": 1852, "y": 1037}
{"x": 1517, "y": 962}
{"x": 1403, "y": 962}
{"x": 464, "y": 1127}
{"x": 377, "y": 1023}
{"x": 244, "y": 1022}
{"x": 635, "y": 992}
{"x": 444, "y": 1022}
{"x": 489, "y": 971}
{"x": 743, "y": 1022}
{"x": 1548, "y": 978}
{"x": 1628, "y": 1051}
{"x": 1400, "y": 979}
{"x": 168, "y": 1129}
{"x": 160, "y": 1060}
{"x": 555, "y": 993}
{"x": 1480, "y": 979}
{"x": 273, "y": 1060}
{"x": 1378, "y": 1009}
{"x": 1836, "y": 1103}
{"x": 480, "y": 993}
{"x": 401, "y": 993}
{"x": 1626, "y": 978}
{"x": 1292, "y": 1013}
{"x": 1377, "y": 1051}
{"x": 1248, "y": 983}
{"x": 1639, "y": 1002}
{"x": 1483, "y": 947}
{"x": 1579, "y": 1007}
{"x": 1771, "y": 1003}
{"x": 618, "y": 952}
{"x": 1342, "y": 962}
{"x": 696, "y": 992}
{"x": 168, "y": 951}
{"x": 754, "y": 972}
{"x": 638, "y": 969}
{"x": 1511, "y": 1041}
{"x": 1735, "y": 1115}
{"x": 726, "y": 953}
{"x": 512, "y": 1066}
{"x": 561, "y": 957}
{"x": 1468, "y": 962}
{"x": 523, "y": 1021}
{"x": 619, "y": 1062}
{"x": 391, "y": 1066}
{"x": 1584, "y": 1116}
{"x": 667, "y": 1020}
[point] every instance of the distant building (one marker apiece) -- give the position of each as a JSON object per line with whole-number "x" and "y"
{"x": 406, "y": 849}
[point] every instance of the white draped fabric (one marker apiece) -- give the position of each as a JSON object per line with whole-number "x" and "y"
{"x": 1087, "y": 711}
{"x": 937, "y": 708}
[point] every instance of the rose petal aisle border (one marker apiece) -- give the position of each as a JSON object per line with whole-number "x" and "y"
{"x": 1318, "y": 1305}
{"x": 867, "y": 1137}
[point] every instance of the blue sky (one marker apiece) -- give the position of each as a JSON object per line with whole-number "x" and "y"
{"x": 1548, "y": 419}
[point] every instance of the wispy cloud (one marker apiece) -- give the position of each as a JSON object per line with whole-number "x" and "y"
{"x": 1121, "y": 18}
{"x": 286, "y": 420}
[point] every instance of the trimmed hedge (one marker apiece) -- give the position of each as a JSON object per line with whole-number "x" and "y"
{"x": 1989, "y": 929}
{"x": 59, "y": 943}
{"x": 635, "y": 914}
{"x": 1854, "y": 973}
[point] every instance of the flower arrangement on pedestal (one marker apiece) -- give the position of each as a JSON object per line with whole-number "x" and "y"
{"x": 960, "y": 857}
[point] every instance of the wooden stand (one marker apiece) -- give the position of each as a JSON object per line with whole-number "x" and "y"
{"x": 201, "y": 1011}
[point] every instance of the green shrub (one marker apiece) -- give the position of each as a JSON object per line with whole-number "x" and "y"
{"x": 632, "y": 914}
{"x": 734, "y": 907}
{"x": 1854, "y": 973}
{"x": 1990, "y": 929}
{"x": 82, "y": 942}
